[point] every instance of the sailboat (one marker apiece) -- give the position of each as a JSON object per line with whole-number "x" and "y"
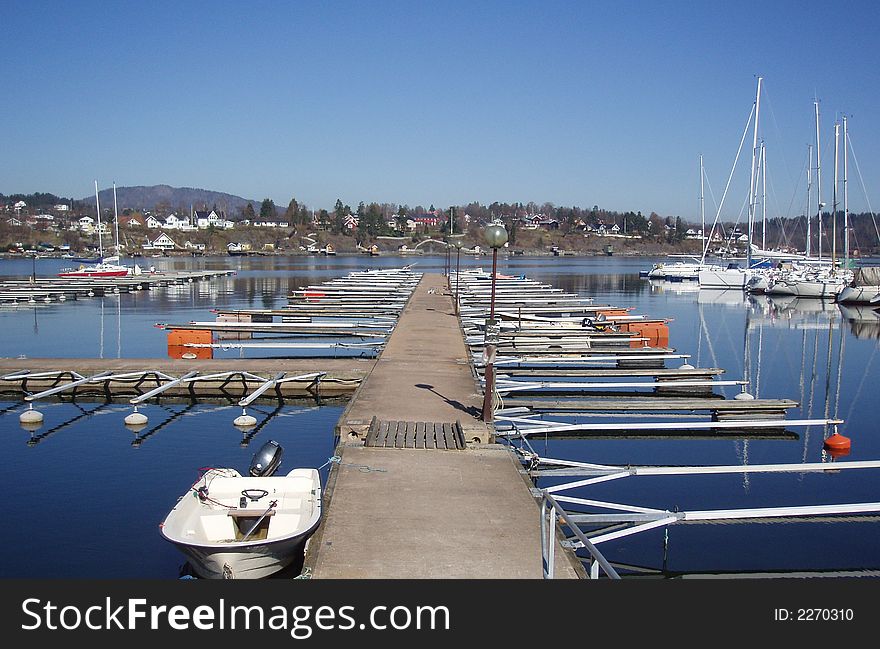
{"x": 865, "y": 284}
{"x": 108, "y": 267}
{"x": 823, "y": 281}
{"x": 734, "y": 277}
{"x": 677, "y": 271}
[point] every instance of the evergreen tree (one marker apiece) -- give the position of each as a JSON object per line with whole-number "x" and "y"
{"x": 267, "y": 210}
{"x": 291, "y": 215}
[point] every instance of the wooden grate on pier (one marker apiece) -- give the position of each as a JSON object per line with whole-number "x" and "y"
{"x": 415, "y": 434}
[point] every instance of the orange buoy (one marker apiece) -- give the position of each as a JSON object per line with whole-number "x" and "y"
{"x": 837, "y": 444}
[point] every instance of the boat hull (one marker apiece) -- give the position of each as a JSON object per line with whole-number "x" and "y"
{"x": 859, "y": 294}
{"x": 105, "y": 273}
{"x": 253, "y": 561}
{"x": 726, "y": 278}
{"x": 806, "y": 288}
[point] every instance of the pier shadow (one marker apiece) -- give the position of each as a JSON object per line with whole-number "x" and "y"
{"x": 473, "y": 411}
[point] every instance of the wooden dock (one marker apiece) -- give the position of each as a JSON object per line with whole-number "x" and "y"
{"x": 452, "y": 510}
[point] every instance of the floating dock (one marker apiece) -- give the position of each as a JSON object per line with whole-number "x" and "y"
{"x": 60, "y": 289}
{"x": 215, "y": 378}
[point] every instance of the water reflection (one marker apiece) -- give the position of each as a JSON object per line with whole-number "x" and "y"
{"x": 787, "y": 350}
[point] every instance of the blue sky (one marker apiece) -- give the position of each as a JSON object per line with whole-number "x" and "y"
{"x": 575, "y": 103}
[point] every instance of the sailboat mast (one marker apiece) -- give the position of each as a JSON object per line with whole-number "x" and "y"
{"x": 845, "y": 201}
{"x": 116, "y": 218}
{"x": 752, "y": 181}
{"x": 763, "y": 197}
{"x": 818, "y": 183}
{"x": 808, "y": 249}
{"x": 834, "y": 199}
{"x": 98, "y": 206}
{"x": 702, "y": 213}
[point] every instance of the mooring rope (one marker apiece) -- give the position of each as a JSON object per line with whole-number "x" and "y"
{"x": 363, "y": 468}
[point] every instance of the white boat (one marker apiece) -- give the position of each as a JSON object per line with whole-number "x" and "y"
{"x": 822, "y": 280}
{"x": 734, "y": 277}
{"x": 675, "y": 271}
{"x": 864, "y": 287}
{"x": 231, "y": 526}
{"x": 822, "y": 283}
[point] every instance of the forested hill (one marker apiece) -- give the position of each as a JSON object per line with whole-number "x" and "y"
{"x": 155, "y": 197}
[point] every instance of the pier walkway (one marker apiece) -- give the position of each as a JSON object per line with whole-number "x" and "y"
{"x": 435, "y": 512}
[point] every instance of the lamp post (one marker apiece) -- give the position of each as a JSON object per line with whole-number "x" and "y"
{"x": 457, "y": 271}
{"x": 496, "y": 236}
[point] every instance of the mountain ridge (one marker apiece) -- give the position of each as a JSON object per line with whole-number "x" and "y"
{"x": 148, "y": 197}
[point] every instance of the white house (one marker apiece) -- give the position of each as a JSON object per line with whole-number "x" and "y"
{"x": 86, "y": 224}
{"x": 153, "y": 222}
{"x": 61, "y": 207}
{"x": 162, "y": 242}
{"x": 199, "y": 247}
{"x": 173, "y": 222}
{"x": 205, "y": 219}
{"x": 13, "y": 221}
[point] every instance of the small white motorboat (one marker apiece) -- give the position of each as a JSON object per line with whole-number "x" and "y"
{"x": 246, "y": 527}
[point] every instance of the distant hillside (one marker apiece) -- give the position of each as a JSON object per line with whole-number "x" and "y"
{"x": 174, "y": 198}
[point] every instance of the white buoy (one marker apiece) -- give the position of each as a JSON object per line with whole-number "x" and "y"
{"x": 31, "y": 416}
{"x": 744, "y": 396}
{"x": 188, "y": 356}
{"x": 244, "y": 420}
{"x": 136, "y": 419}
{"x": 686, "y": 366}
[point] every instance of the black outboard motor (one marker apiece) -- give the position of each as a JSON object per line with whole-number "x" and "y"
{"x": 267, "y": 460}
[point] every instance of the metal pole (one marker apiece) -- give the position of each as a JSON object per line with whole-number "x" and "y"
{"x": 489, "y": 371}
{"x": 457, "y": 273}
{"x": 494, "y": 272}
{"x": 818, "y": 183}
{"x": 845, "y": 200}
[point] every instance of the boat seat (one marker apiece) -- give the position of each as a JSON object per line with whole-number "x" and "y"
{"x": 283, "y": 524}
{"x": 249, "y": 513}
{"x": 217, "y": 527}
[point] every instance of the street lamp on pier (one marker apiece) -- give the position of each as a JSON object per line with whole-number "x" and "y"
{"x": 457, "y": 272}
{"x": 496, "y": 237}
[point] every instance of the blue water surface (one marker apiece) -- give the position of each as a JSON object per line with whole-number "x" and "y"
{"x": 86, "y": 494}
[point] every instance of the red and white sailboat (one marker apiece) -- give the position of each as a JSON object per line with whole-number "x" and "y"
{"x": 108, "y": 267}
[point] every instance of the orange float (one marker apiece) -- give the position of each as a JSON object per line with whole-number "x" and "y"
{"x": 177, "y": 338}
{"x": 838, "y": 445}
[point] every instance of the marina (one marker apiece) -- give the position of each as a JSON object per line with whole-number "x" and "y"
{"x": 562, "y": 386}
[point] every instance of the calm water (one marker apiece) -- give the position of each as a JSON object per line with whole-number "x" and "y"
{"x": 88, "y": 494}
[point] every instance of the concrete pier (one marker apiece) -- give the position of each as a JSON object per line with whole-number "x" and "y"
{"x": 426, "y": 513}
